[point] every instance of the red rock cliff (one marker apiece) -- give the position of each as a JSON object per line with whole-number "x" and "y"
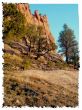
{"x": 36, "y": 18}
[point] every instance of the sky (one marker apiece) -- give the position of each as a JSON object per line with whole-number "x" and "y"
{"x": 58, "y": 15}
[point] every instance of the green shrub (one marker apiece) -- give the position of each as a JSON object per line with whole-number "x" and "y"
{"x": 27, "y": 64}
{"x": 50, "y": 63}
{"x": 61, "y": 65}
{"x": 11, "y": 61}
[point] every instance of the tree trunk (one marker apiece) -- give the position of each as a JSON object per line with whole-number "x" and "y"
{"x": 66, "y": 54}
{"x": 24, "y": 38}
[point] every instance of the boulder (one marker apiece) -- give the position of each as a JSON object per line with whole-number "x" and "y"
{"x": 42, "y": 59}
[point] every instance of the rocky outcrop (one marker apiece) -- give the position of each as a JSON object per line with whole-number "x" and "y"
{"x": 36, "y": 19}
{"x": 47, "y": 60}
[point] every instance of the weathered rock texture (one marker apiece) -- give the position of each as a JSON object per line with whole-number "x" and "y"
{"x": 36, "y": 19}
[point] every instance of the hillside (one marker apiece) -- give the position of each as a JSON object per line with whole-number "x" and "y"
{"x": 34, "y": 73}
{"x": 32, "y": 49}
{"x": 41, "y": 88}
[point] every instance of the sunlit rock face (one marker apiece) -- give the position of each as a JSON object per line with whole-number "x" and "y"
{"x": 36, "y": 18}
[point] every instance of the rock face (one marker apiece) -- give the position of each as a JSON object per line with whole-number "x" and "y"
{"x": 20, "y": 49}
{"x": 36, "y": 19}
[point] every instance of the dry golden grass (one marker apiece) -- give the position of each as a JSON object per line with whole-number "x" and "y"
{"x": 41, "y": 88}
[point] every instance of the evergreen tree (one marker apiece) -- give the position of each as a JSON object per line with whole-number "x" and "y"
{"x": 67, "y": 41}
{"x": 13, "y": 22}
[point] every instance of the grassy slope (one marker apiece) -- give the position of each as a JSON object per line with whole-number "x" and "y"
{"x": 41, "y": 88}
